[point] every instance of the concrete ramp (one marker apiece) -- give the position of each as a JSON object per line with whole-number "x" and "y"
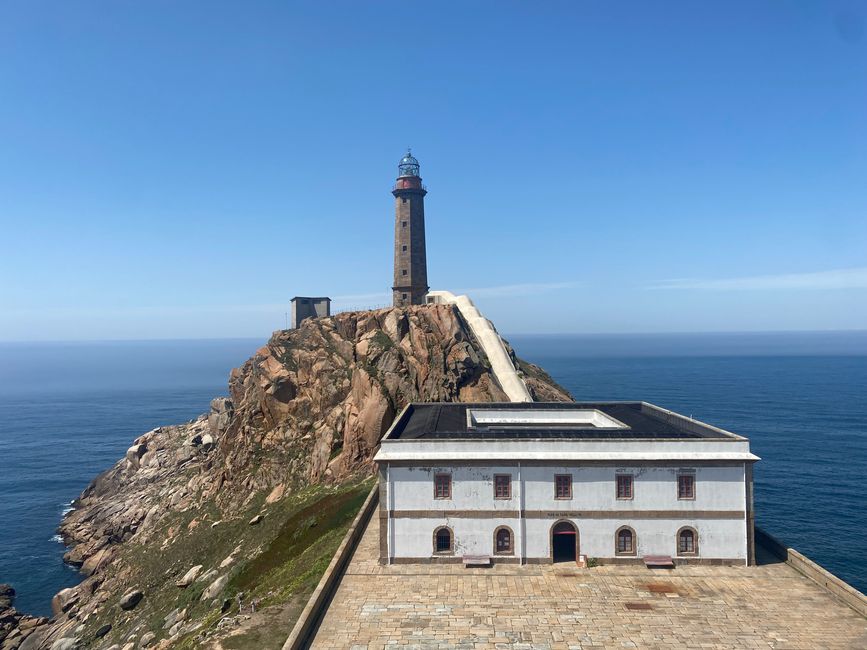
{"x": 501, "y": 363}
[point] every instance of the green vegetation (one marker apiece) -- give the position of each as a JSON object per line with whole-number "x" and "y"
{"x": 283, "y": 352}
{"x": 277, "y": 562}
{"x": 381, "y": 340}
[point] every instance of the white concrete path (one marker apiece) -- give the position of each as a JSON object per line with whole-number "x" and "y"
{"x": 492, "y": 344}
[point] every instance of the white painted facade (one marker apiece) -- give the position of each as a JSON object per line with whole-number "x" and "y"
{"x": 719, "y": 490}
{"x": 720, "y": 512}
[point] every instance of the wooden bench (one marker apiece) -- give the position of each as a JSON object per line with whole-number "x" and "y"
{"x": 658, "y": 561}
{"x": 477, "y": 560}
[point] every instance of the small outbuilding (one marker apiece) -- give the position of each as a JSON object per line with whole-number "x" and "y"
{"x": 309, "y": 307}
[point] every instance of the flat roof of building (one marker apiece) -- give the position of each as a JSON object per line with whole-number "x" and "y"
{"x": 543, "y": 420}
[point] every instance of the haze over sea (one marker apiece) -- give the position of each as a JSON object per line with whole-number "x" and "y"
{"x": 70, "y": 410}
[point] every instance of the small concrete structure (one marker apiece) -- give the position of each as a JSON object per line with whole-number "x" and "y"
{"x": 537, "y": 483}
{"x": 309, "y": 307}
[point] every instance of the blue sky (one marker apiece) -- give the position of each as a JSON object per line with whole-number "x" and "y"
{"x": 182, "y": 169}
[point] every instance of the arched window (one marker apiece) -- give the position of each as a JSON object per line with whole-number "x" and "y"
{"x": 443, "y": 540}
{"x": 625, "y": 541}
{"x": 503, "y": 541}
{"x": 687, "y": 541}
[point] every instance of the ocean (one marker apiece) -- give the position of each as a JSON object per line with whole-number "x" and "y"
{"x": 70, "y": 410}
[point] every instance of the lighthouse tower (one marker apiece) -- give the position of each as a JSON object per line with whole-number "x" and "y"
{"x": 410, "y": 258}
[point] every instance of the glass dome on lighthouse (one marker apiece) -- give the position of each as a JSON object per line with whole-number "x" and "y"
{"x": 408, "y": 165}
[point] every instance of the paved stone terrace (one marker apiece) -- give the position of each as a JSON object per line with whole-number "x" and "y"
{"x": 560, "y": 606}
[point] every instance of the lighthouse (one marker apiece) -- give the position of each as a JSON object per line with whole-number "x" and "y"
{"x": 410, "y": 257}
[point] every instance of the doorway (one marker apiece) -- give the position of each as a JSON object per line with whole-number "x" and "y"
{"x": 564, "y": 542}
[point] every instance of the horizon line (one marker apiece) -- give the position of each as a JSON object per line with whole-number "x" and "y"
{"x": 182, "y": 339}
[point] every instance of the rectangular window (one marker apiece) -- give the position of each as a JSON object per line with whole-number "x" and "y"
{"x": 502, "y": 486}
{"x": 403, "y": 224}
{"x": 686, "y": 486}
{"x": 404, "y": 271}
{"x": 403, "y": 248}
{"x": 562, "y": 486}
{"x": 443, "y": 486}
{"x": 624, "y": 486}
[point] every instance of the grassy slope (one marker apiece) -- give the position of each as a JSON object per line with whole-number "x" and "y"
{"x": 279, "y": 562}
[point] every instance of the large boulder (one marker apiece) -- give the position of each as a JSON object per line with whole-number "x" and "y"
{"x": 215, "y": 588}
{"x": 134, "y": 454}
{"x": 130, "y": 599}
{"x": 207, "y": 576}
{"x": 220, "y": 416}
{"x": 96, "y": 561}
{"x": 76, "y": 555}
{"x": 189, "y": 577}
{"x": 174, "y": 617}
{"x": 63, "y": 600}
{"x": 7, "y": 596}
{"x": 37, "y": 639}
{"x": 66, "y": 643}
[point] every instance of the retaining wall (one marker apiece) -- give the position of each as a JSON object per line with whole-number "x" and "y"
{"x": 305, "y": 627}
{"x": 804, "y": 565}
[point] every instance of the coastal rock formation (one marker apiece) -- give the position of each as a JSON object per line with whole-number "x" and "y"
{"x": 16, "y": 627}
{"x": 308, "y": 409}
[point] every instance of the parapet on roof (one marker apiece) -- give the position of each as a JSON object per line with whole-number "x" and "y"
{"x": 582, "y": 420}
{"x": 610, "y": 432}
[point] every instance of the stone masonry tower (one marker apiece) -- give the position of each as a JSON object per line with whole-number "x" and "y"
{"x": 410, "y": 258}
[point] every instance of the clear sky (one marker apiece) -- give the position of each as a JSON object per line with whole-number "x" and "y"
{"x": 181, "y": 169}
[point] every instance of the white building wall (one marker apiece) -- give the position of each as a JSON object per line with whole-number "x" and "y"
{"x": 654, "y": 488}
{"x": 717, "y": 538}
{"x": 718, "y": 488}
{"x": 472, "y": 488}
{"x": 413, "y": 538}
{"x": 593, "y": 488}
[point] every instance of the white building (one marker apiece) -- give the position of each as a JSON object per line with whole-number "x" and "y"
{"x": 538, "y": 482}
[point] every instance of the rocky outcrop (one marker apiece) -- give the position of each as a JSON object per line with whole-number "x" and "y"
{"x": 16, "y": 627}
{"x": 309, "y": 407}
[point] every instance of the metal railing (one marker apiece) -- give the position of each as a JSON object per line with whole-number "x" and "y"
{"x": 343, "y": 310}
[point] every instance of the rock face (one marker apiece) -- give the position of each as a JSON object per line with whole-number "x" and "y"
{"x": 309, "y": 407}
{"x": 332, "y": 387}
{"x": 7, "y": 596}
{"x": 63, "y": 600}
{"x": 16, "y": 627}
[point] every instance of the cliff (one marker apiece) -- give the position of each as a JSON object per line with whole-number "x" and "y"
{"x": 199, "y": 522}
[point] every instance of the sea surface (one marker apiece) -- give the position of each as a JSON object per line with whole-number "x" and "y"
{"x": 70, "y": 410}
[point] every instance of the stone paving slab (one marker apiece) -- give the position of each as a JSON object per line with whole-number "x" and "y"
{"x": 560, "y": 606}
